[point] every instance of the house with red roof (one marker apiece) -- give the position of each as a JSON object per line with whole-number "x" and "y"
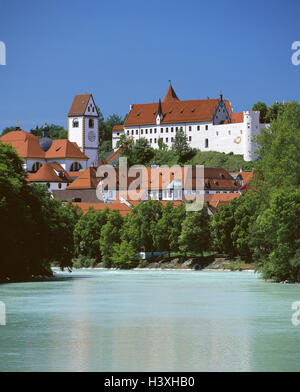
{"x": 209, "y": 124}
{"x": 37, "y": 151}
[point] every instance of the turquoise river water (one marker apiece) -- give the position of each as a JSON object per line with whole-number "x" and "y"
{"x": 150, "y": 321}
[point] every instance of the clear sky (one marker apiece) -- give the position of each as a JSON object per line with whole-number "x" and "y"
{"x": 125, "y": 52}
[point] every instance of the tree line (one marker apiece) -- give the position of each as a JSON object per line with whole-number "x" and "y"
{"x": 263, "y": 225}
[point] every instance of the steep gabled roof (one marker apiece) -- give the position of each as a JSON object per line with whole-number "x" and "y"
{"x": 63, "y": 148}
{"x": 79, "y": 104}
{"x": 171, "y": 95}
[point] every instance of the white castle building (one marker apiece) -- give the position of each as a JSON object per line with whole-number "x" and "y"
{"x": 209, "y": 124}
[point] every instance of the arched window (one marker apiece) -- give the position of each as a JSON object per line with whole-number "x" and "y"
{"x": 75, "y": 123}
{"x": 36, "y": 166}
{"x": 76, "y": 166}
{"x": 206, "y": 143}
{"x": 91, "y": 123}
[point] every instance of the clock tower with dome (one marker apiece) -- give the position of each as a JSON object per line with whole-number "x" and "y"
{"x": 83, "y": 127}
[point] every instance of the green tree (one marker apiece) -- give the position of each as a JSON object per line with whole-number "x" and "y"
{"x": 181, "y": 146}
{"x": 278, "y": 161}
{"x": 125, "y": 255}
{"x": 195, "y": 234}
{"x": 110, "y": 235}
{"x": 222, "y": 225}
{"x": 167, "y": 230}
{"x": 263, "y": 109}
{"x": 276, "y": 237}
{"x": 87, "y": 233}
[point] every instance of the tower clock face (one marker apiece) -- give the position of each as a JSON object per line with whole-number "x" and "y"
{"x": 92, "y": 136}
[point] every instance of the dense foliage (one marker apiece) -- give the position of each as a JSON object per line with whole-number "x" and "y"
{"x": 35, "y": 229}
{"x": 264, "y": 224}
{"x": 141, "y": 152}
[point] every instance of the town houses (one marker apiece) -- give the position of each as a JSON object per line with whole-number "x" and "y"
{"x": 72, "y": 171}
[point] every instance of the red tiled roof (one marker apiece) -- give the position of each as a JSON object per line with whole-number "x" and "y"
{"x": 220, "y": 198}
{"x": 174, "y": 111}
{"x": 237, "y": 117}
{"x": 246, "y": 176}
{"x": 79, "y": 104}
{"x": 171, "y": 95}
{"x": 118, "y": 128}
{"x": 49, "y": 173}
{"x": 63, "y": 148}
{"x": 122, "y": 208}
{"x": 26, "y": 144}
{"x": 161, "y": 178}
{"x": 85, "y": 180}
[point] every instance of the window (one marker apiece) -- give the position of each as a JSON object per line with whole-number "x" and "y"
{"x": 172, "y": 139}
{"x": 142, "y": 131}
{"x": 241, "y": 132}
{"x": 36, "y": 166}
{"x": 136, "y": 131}
{"x": 93, "y": 109}
{"x": 198, "y": 127}
{"x": 132, "y": 132}
{"x": 206, "y": 127}
{"x": 91, "y": 123}
{"x": 59, "y": 185}
{"x": 146, "y": 132}
{"x": 76, "y": 166}
{"x": 229, "y": 132}
{"x": 167, "y": 130}
{"x": 154, "y": 130}
{"x": 150, "y": 130}
{"x": 217, "y": 133}
{"x": 154, "y": 140}
{"x": 206, "y": 143}
{"x": 167, "y": 139}
{"x": 190, "y": 138}
{"x": 127, "y": 132}
{"x": 75, "y": 123}
{"x": 161, "y": 130}
{"x": 172, "y": 129}
{"x": 150, "y": 141}
{"x": 48, "y": 184}
{"x": 190, "y": 128}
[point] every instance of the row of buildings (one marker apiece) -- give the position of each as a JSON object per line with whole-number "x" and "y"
{"x": 71, "y": 169}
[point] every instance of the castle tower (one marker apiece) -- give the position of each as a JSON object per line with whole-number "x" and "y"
{"x": 252, "y": 128}
{"x": 83, "y": 126}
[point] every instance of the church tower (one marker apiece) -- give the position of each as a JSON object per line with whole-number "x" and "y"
{"x": 83, "y": 127}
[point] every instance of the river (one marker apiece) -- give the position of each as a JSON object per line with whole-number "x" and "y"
{"x": 150, "y": 321}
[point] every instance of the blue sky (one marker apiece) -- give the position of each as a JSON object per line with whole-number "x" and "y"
{"x": 126, "y": 51}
